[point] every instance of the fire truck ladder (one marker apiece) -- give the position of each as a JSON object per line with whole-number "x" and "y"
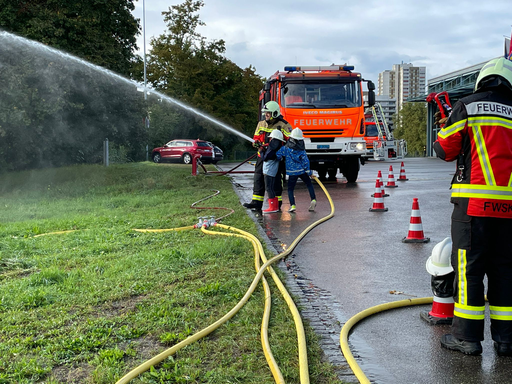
{"x": 380, "y": 122}
{"x": 386, "y": 147}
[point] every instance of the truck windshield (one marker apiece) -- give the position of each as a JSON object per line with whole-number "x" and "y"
{"x": 371, "y": 130}
{"x": 321, "y": 94}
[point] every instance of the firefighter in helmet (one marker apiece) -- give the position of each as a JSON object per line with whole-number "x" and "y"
{"x": 273, "y": 120}
{"x": 478, "y": 136}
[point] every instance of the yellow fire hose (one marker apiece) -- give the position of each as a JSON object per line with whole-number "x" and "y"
{"x": 360, "y": 316}
{"x": 258, "y": 253}
{"x": 164, "y": 230}
{"x": 206, "y": 331}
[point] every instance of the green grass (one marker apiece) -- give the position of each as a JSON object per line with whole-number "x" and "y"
{"x": 90, "y": 305}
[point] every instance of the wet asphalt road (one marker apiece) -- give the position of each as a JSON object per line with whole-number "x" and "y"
{"x": 359, "y": 258}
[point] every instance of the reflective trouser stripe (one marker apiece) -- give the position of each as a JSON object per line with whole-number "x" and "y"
{"x": 469, "y": 312}
{"x": 262, "y": 198}
{"x": 501, "y": 313}
{"x": 462, "y": 283}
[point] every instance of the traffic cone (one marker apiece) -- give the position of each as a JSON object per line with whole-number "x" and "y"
{"x": 391, "y": 179}
{"x": 378, "y": 201}
{"x": 415, "y": 234}
{"x": 381, "y": 185}
{"x": 442, "y": 311}
{"x": 402, "y": 176}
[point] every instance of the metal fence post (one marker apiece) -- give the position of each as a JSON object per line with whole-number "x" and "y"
{"x": 105, "y": 153}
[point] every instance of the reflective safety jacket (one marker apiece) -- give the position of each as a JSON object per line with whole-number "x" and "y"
{"x": 264, "y": 128}
{"x": 478, "y": 134}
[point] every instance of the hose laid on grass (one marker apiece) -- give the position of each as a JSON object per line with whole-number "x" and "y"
{"x": 360, "y": 316}
{"x": 258, "y": 253}
{"x": 206, "y": 331}
{"x": 164, "y": 230}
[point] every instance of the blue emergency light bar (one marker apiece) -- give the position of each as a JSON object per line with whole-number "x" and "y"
{"x": 320, "y": 68}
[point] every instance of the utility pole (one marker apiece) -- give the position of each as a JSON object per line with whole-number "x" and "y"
{"x": 144, "y": 37}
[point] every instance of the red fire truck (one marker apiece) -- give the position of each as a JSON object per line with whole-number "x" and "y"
{"x": 326, "y": 103}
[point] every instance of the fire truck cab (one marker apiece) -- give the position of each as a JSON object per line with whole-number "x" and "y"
{"x": 326, "y": 103}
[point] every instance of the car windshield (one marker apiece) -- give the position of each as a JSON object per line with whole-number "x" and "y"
{"x": 321, "y": 94}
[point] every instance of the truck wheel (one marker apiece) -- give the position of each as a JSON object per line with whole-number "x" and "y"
{"x": 351, "y": 169}
{"x": 332, "y": 174}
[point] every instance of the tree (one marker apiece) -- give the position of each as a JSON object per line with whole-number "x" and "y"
{"x": 185, "y": 66}
{"x": 411, "y": 125}
{"x": 57, "y": 110}
{"x": 102, "y": 32}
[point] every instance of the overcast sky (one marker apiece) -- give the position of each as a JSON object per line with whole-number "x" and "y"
{"x": 443, "y": 36}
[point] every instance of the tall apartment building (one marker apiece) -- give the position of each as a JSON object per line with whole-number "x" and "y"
{"x": 402, "y": 82}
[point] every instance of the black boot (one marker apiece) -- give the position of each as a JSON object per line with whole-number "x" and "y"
{"x": 467, "y": 347}
{"x": 503, "y": 349}
{"x": 254, "y": 204}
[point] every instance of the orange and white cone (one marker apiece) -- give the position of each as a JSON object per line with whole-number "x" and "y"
{"x": 378, "y": 201}
{"x": 391, "y": 179}
{"x": 381, "y": 185}
{"x": 415, "y": 234}
{"x": 402, "y": 176}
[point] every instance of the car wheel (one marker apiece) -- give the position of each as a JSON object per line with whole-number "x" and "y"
{"x": 186, "y": 159}
{"x": 157, "y": 158}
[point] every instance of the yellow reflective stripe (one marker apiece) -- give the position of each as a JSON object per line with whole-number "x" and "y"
{"x": 510, "y": 181}
{"x": 494, "y": 121}
{"x": 462, "y": 286}
{"x": 501, "y": 313}
{"x": 258, "y": 198}
{"x": 483, "y": 155}
{"x": 450, "y": 130}
{"x": 469, "y": 311}
{"x": 482, "y": 191}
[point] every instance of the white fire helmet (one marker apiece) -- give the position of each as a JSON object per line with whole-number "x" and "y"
{"x": 297, "y": 134}
{"x": 277, "y": 134}
{"x": 439, "y": 263}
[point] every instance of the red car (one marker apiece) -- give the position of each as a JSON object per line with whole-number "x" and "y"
{"x": 183, "y": 151}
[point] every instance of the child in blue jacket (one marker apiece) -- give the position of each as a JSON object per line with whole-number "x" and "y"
{"x": 297, "y": 166}
{"x": 271, "y": 169}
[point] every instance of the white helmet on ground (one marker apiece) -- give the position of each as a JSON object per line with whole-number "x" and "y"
{"x": 439, "y": 263}
{"x": 272, "y": 107}
{"x": 297, "y": 134}
{"x": 277, "y": 134}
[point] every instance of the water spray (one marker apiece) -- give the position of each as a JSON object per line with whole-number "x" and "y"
{"x": 28, "y": 42}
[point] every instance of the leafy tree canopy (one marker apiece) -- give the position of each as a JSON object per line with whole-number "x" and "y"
{"x": 186, "y": 66}
{"x": 411, "y": 125}
{"x": 102, "y": 32}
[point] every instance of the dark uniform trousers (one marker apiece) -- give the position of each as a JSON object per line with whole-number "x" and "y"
{"x": 482, "y": 246}
{"x": 258, "y": 192}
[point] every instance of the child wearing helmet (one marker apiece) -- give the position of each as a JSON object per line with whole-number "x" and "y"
{"x": 297, "y": 166}
{"x": 271, "y": 169}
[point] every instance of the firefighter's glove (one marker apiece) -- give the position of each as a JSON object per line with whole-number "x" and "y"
{"x": 257, "y": 144}
{"x": 309, "y": 172}
{"x": 443, "y": 121}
